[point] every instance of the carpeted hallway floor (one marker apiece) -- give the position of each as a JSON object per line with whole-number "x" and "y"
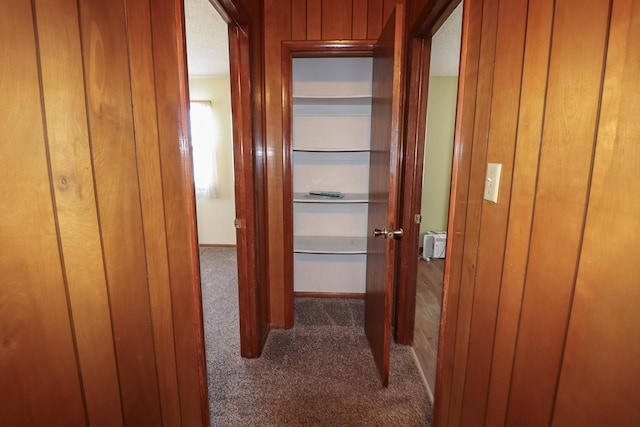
{"x": 320, "y": 373}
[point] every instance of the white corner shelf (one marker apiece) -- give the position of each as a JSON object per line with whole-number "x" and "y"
{"x": 329, "y": 245}
{"x": 331, "y": 100}
{"x": 331, "y": 150}
{"x": 348, "y": 198}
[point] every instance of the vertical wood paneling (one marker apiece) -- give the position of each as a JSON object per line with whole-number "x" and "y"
{"x": 565, "y": 163}
{"x": 337, "y": 19}
{"x": 114, "y": 152}
{"x": 179, "y": 206}
{"x": 151, "y": 196}
{"x": 474, "y": 205}
{"x": 277, "y": 28}
{"x": 374, "y": 18}
{"x": 387, "y": 9}
{"x": 501, "y": 145}
{"x": 359, "y": 30}
{"x": 71, "y": 170}
{"x": 298, "y": 19}
{"x": 534, "y": 80}
{"x": 314, "y": 20}
{"x": 600, "y": 380}
{"x": 39, "y": 376}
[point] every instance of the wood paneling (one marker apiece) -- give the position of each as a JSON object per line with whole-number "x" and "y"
{"x": 179, "y": 201}
{"x": 374, "y": 18}
{"x": 504, "y": 106}
{"x": 71, "y": 172}
{"x": 568, "y": 133}
{"x": 534, "y": 79}
{"x": 38, "y": 370}
{"x": 360, "y": 11}
{"x": 563, "y": 351}
{"x": 474, "y": 206}
{"x": 601, "y": 351}
{"x": 114, "y": 157}
{"x": 337, "y": 17}
{"x": 151, "y": 197}
{"x": 314, "y": 19}
{"x": 98, "y": 225}
{"x": 298, "y": 19}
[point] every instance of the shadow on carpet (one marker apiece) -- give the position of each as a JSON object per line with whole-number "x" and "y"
{"x": 319, "y": 373}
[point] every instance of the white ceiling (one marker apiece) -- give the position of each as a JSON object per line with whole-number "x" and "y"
{"x": 208, "y": 51}
{"x": 445, "y": 46}
{"x": 207, "y": 40}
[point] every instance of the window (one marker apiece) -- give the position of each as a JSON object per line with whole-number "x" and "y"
{"x": 204, "y": 135}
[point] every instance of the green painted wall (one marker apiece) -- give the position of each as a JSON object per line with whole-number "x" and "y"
{"x": 438, "y": 153}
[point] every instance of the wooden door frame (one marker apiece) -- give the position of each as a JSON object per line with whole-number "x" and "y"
{"x": 418, "y": 62}
{"x": 250, "y": 247}
{"x": 250, "y": 244}
{"x": 419, "y": 53}
{"x": 290, "y": 50}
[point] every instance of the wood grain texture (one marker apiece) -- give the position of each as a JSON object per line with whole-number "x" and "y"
{"x": 568, "y": 133}
{"x": 337, "y": 19}
{"x": 460, "y": 187}
{"x": 374, "y": 18}
{"x": 115, "y": 169}
{"x": 71, "y": 170}
{"x": 250, "y": 302}
{"x": 527, "y": 145}
{"x": 415, "y": 131}
{"x": 179, "y": 207}
{"x": 298, "y": 19}
{"x": 314, "y": 19}
{"x": 505, "y": 100}
{"x": 384, "y": 180}
{"x": 277, "y": 28}
{"x": 38, "y": 370}
{"x": 152, "y": 203}
{"x": 475, "y": 205}
{"x": 428, "y": 308}
{"x": 360, "y": 12}
{"x": 601, "y": 351}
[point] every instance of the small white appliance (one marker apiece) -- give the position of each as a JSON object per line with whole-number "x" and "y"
{"x": 434, "y": 244}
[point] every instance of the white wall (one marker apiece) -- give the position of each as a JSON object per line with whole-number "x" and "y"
{"x": 438, "y": 153}
{"x": 215, "y": 216}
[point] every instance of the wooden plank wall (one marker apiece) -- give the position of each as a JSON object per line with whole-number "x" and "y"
{"x": 98, "y": 243}
{"x": 301, "y": 20}
{"x": 546, "y": 314}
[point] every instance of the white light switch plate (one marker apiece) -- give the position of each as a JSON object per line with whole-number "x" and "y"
{"x": 492, "y": 182}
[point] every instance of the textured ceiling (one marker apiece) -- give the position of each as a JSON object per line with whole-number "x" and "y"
{"x": 208, "y": 52}
{"x": 445, "y": 46}
{"x": 207, "y": 40}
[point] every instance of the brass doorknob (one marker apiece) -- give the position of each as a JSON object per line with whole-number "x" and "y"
{"x": 397, "y": 234}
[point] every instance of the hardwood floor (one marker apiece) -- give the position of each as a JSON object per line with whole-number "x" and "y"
{"x": 428, "y": 306}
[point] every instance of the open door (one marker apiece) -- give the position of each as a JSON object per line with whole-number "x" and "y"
{"x": 384, "y": 176}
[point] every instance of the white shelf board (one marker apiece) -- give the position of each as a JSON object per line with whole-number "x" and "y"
{"x": 331, "y": 100}
{"x": 348, "y": 198}
{"x": 332, "y": 150}
{"x": 329, "y": 245}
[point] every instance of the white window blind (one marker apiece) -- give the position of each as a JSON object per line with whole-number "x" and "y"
{"x": 204, "y": 136}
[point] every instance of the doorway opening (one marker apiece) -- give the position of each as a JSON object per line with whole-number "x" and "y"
{"x": 435, "y": 195}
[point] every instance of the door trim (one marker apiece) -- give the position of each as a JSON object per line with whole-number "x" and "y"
{"x": 290, "y": 50}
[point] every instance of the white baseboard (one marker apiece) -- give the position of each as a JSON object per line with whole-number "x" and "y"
{"x": 424, "y": 379}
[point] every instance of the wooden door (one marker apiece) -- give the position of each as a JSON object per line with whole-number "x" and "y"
{"x": 384, "y": 177}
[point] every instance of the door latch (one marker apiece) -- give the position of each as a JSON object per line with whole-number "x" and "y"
{"x": 388, "y": 234}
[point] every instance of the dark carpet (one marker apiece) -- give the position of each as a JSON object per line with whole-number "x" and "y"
{"x": 320, "y": 373}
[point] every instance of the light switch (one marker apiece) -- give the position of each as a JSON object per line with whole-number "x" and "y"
{"x": 492, "y": 182}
